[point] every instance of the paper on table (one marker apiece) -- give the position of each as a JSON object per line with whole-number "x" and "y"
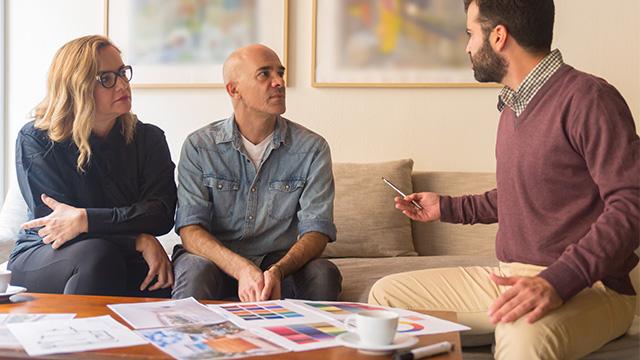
{"x": 7, "y": 340}
{"x": 410, "y": 322}
{"x": 75, "y": 335}
{"x": 166, "y": 313}
{"x": 212, "y": 341}
{"x": 303, "y": 336}
{"x": 266, "y": 313}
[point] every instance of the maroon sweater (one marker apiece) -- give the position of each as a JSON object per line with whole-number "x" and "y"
{"x": 568, "y": 186}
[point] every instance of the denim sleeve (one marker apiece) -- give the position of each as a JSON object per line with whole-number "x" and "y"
{"x": 316, "y": 201}
{"x": 194, "y": 204}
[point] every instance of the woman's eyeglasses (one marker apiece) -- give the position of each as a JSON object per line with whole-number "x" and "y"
{"x": 108, "y": 79}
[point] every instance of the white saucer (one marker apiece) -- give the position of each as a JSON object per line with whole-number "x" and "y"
{"x": 11, "y": 290}
{"x": 350, "y": 339}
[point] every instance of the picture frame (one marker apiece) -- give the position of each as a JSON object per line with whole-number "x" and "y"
{"x": 390, "y": 43}
{"x": 171, "y": 44}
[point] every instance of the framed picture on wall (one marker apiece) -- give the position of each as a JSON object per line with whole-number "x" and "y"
{"x": 183, "y": 43}
{"x": 390, "y": 43}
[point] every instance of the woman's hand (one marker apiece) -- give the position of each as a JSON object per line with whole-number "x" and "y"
{"x": 63, "y": 224}
{"x": 158, "y": 261}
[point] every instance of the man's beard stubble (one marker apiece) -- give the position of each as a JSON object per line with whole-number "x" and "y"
{"x": 487, "y": 65}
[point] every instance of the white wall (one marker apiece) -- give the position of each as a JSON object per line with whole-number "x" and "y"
{"x": 441, "y": 129}
{"x": 3, "y": 97}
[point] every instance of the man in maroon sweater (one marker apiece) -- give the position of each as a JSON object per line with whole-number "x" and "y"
{"x": 567, "y": 200}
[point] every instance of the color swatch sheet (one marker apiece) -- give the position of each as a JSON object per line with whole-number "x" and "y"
{"x": 266, "y": 313}
{"x": 303, "y": 336}
{"x": 214, "y": 341}
{"x": 409, "y": 322}
{"x": 284, "y": 323}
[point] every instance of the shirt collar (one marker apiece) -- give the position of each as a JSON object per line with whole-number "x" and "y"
{"x": 112, "y": 138}
{"x": 517, "y": 100}
{"x": 231, "y": 133}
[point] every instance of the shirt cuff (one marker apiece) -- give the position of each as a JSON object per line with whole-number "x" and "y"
{"x": 99, "y": 220}
{"x": 564, "y": 279}
{"x": 322, "y": 226}
{"x": 193, "y": 215}
{"x": 446, "y": 209}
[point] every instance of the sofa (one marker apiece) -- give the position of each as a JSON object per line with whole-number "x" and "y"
{"x": 374, "y": 239}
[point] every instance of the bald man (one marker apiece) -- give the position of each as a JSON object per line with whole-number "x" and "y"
{"x": 255, "y": 200}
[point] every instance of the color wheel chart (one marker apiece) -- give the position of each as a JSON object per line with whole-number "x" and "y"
{"x": 307, "y": 335}
{"x": 265, "y": 311}
{"x": 410, "y": 324}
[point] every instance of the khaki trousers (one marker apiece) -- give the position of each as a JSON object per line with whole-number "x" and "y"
{"x": 582, "y": 325}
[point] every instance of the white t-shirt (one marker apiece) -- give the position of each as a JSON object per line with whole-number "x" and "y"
{"x": 256, "y": 151}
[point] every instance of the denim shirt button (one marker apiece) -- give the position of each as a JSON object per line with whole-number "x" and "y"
{"x": 286, "y": 187}
{"x": 250, "y": 217}
{"x": 253, "y": 189}
{"x": 220, "y": 186}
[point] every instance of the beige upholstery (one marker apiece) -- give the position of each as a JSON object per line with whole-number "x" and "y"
{"x": 364, "y": 211}
{"x": 438, "y": 238}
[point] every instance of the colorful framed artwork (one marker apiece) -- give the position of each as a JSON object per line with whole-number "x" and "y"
{"x": 183, "y": 43}
{"x": 390, "y": 43}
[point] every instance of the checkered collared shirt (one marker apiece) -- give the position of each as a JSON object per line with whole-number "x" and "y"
{"x": 519, "y": 99}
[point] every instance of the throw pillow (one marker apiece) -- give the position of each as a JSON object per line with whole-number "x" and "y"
{"x": 368, "y": 223}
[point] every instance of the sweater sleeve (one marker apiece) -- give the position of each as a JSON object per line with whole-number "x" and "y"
{"x": 603, "y": 132}
{"x": 470, "y": 209}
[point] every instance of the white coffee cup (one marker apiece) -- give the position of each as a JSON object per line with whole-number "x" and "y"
{"x": 5, "y": 279}
{"x": 374, "y": 327}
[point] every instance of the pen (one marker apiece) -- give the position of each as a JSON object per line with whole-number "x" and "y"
{"x": 422, "y": 352}
{"x": 400, "y": 192}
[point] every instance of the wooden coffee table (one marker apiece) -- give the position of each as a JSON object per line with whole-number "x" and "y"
{"x": 87, "y": 306}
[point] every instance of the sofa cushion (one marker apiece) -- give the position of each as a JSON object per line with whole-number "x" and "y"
{"x": 12, "y": 215}
{"x": 364, "y": 213}
{"x": 437, "y": 238}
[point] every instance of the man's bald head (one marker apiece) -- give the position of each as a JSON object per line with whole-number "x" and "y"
{"x": 232, "y": 68}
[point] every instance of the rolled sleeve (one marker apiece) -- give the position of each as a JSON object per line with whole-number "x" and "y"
{"x": 316, "y": 201}
{"x": 322, "y": 226}
{"x": 193, "y": 215}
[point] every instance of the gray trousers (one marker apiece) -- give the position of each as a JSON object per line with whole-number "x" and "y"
{"x": 319, "y": 279}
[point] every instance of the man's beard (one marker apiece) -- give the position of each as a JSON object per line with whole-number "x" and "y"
{"x": 487, "y": 65}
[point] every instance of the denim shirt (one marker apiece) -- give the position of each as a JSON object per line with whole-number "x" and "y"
{"x": 256, "y": 211}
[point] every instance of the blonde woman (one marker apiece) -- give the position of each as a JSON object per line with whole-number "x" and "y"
{"x": 99, "y": 184}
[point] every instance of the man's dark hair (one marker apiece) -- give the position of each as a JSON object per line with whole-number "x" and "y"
{"x": 530, "y": 22}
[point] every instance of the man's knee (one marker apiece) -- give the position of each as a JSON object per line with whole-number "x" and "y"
{"x": 321, "y": 280}
{"x": 521, "y": 340}
{"x": 196, "y": 276}
{"x": 380, "y": 291}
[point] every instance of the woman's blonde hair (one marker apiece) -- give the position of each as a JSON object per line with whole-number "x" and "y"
{"x": 68, "y": 109}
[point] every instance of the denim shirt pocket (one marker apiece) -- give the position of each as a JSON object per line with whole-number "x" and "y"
{"x": 223, "y": 194}
{"x": 283, "y": 198}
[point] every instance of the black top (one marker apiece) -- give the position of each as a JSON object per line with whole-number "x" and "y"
{"x": 127, "y": 189}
